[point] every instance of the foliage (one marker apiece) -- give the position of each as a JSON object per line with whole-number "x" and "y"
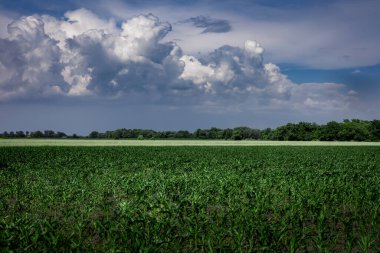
{"x": 190, "y": 199}
{"x": 354, "y": 130}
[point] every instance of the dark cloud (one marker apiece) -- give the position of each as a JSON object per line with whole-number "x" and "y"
{"x": 29, "y": 61}
{"x": 211, "y": 25}
{"x": 86, "y": 57}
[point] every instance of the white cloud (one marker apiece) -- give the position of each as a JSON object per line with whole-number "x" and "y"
{"x": 84, "y": 55}
{"x": 322, "y": 96}
{"x": 205, "y": 76}
{"x": 29, "y": 60}
{"x": 75, "y": 23}
{"x": 340, "y": 34}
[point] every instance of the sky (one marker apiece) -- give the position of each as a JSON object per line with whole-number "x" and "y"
{"x": 79, "y": 66}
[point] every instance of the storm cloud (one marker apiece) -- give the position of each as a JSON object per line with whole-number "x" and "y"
{"x": 82, "y": 55}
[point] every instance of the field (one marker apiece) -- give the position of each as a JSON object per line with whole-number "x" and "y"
{"x": 91, "y": 142}
{"x": 189, "y": 198}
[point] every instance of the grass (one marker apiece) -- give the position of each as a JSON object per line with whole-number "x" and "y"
{"x": 190, "y": 199}
{"x": 89, "y": 142}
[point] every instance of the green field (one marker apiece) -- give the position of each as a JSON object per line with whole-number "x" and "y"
{"x": 189, "y": 199}
{"x": 91, "y": 142}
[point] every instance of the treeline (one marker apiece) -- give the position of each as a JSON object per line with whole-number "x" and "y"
{"x": 238, "y": 133}
{"x": 36, "y": 134}
{"x": 348, "y": 130}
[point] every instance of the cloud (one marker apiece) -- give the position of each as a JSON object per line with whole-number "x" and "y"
{"x": 323, "y": 96}
{"x": 75, "y": 23}
{"x": 4, "y": 20}
{"x": 132, "y": 60}
{"x": 211, "y": 25}
{"x": 29, "y": 61}
{"x": 84, "y": 56}
{"x": 332, "y": 35}
{"x": 319, "y": 36}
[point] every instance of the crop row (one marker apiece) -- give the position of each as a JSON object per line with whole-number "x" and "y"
{"x": 193, "y": 199}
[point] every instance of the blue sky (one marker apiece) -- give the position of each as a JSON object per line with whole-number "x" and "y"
{"x": 78, "y": 66}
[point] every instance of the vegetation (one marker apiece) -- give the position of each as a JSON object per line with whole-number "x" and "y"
{"x": 348, "y": 130}
{"x": 190, "y": 199}
{"x": 168, "y": 142}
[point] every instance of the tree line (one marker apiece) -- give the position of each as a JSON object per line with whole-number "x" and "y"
{"x": 348, "y": 130}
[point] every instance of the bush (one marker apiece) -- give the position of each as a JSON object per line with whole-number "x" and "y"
{"x": 140, "y": 137}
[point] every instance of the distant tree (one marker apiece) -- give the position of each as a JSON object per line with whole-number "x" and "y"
{"x": 130, "y": 133}
{"x": 20, "y": 134}
{"x": 102, "y": 135}
{"x": 212, "y": 133}
{"x": 309, "y": 131}
{"x": 107, "y": 134}
{"x": 227, "y": 133}
{"x": 237, "y": 134}
{"x": 93, "y": 135}
{"x": 255, "y": 134}
{"x": 117, "y": 134}
{"x": 280, "y": 133}
{"x": 49, "y": 134}
{"x": 60, "y": 135}
{"x": 169, "y": 134}
{"x": 266, "y": 134}
{"x": 140, "y": 137}
{"x": 329, "y": 132}
{"x": 375, "y": 130}
{"x": 200, "y": 134}
{"x": 148, "y": 134}
{"x": 355, "y": 129}
{"x": 182, "y": 134}
{"x": 36, "y": 134}
{"x": 159, "y": 135}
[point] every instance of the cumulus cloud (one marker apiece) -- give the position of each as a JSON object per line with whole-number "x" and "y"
{"x": 210, "y": 25}
{"x": 83, "y": 55}
{"x": 29, "y": 61}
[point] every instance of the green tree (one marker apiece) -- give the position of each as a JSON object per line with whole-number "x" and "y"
{"x": 117, "y": 134}
{"x": 182, "y": 134}
{"x": 20, "y": 134}
{"x": 93, "y": 135}
{"x": 227, "y": 133}
{"x": 355, "y": 130}
{"x": 36, "y": 134}
{"x": 329, "y": 132}
{"x": 201, "y": 134}
{"x": 266, "y": 134}
{"x": 49, "y": 134}
{"x": 237, "y": 134}
{"x": 375, "y": 130}
{"x": 60, "y": 135}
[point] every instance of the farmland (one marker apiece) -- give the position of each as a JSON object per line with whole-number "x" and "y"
{"x": 173, "y": 142}
{"x": 189, "y": 198}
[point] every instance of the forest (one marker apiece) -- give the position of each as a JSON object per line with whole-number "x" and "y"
{"x": 347, "y": 130}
